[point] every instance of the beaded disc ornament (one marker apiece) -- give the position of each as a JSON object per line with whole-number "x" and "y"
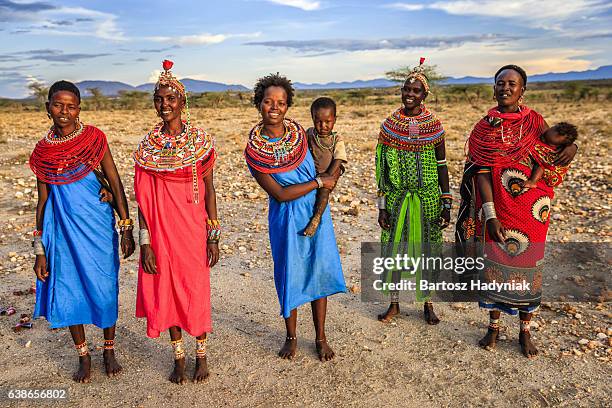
{"x": 276, "y": 156}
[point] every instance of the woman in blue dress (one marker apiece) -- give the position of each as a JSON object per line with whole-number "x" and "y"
{"x": 75, "y": 242}
{"x": 306, "y": 269}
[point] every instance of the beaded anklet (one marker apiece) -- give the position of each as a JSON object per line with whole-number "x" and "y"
{"x": 82, "y": 349}
{"x": 109, "y": 344}
{"x": 179, "y": 349}
{"x": 494, "y": 324}
{"x": 200, "y": 348}
{"x": 525, "y": 325}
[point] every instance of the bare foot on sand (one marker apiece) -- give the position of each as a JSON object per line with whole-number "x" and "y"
{"x": 489, "y": 341}
{"x": 201, "y": 370}
{"x": 288, "y": 349}
{"x": 323, "y": 350}
{"x": 527, "y": 347}
{"x": 429, "y": 315}
{"x": 178, "y": 374}
{"x": 111, "y": 365}
{"x": 391, "y": 312}
{"x": 83, "y": 374}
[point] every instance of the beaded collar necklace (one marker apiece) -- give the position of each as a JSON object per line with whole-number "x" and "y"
{"x": 52, "y": 138}
{"x": 274, "y": 156}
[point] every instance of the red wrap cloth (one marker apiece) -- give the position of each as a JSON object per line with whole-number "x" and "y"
{"x": 179, "y": 294}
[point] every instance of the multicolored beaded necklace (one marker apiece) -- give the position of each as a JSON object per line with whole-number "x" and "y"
{"x": 412, "y": 133}
{"x": 162, "y": 153}
{"x": 285, "y": 153}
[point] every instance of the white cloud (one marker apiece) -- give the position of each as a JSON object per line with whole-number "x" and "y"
{"x": 542, "y": 14}
{"x": 406, "y": 6}
{"x": 305, "y": 5}
{"x": 201, "y": 39}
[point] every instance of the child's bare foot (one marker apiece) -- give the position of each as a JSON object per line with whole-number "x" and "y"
{"x": 289, "y": 348}
{"x": 312, "y": 226}
{"x": 323, "y": 350}
{"x": 83, "y": 374}
{"x": 391, "y": 312}
{"x": 201, "y": 370}
{"x": 527, "y": 347}
{"x": 429, "y": 314}
{"x": 110, "y": 363}
{"x": 178, "y": 374}
{"x": 489, "y": 341}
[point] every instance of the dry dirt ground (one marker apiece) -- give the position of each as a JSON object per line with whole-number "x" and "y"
{"x": 404, "y": 364}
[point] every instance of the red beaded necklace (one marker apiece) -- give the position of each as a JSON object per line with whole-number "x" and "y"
{"x": 63, "y": 160}
{"x": 500, "y": 139}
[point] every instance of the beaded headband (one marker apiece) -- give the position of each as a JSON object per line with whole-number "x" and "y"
{"x": 418, "y": 74}
{"x": 166, "y": 78}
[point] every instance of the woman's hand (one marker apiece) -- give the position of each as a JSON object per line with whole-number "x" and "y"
{"x": 106, "y": 196}
{"x": 147, "y": 259}
{"x": 212, "y": 249}
{"x": 565, "y": 156}
{"x": 383, "y": 219}
{"x": 445, "y": 218}
{"x": 40, "y": 267}
{"x": 496, "y": 230}
{"x": 127, "y": 243}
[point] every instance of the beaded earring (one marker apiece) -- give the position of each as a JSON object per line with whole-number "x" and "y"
{"x": 48, "y": 115}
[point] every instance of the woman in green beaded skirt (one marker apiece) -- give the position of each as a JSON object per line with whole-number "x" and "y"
{"x": 414, "y": 199}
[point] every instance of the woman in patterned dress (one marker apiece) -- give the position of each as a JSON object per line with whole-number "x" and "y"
{"x": 413, "y": 186}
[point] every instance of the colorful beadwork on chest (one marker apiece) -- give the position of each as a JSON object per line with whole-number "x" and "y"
{"x": 413, "y": 133}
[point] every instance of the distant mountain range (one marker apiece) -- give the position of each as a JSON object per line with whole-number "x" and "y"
{"x": 112, "y": 88}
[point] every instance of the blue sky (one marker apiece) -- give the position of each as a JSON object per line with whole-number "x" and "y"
{"x": 237, "y": 41}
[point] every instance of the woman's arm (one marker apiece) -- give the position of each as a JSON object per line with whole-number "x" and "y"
{"x": 443, "y": 182}
{"x": 381, "y": 176}
{"x": 112, "y": 175}
{"x": 289, "y": 193}
{"x": 40, "y": 264}
{"x": 147, "y": 256}
{"x": 212, "y": 247}
{"x": 485, "y": 187}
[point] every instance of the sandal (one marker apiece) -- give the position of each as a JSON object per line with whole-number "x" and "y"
{"x": 8, "y": 311}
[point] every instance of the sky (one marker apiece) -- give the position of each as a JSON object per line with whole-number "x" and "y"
{"x": 238, "y": 41}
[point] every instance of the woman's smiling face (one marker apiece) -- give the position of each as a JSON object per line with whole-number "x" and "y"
{"x": 413, "y": 93}
{"x": 508, "y": 88}
{"x": 168, "y": 104}
{"x": 274, "y": 106}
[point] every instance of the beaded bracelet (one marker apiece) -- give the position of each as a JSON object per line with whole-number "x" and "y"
{"x": 126, "y": 224}
{"x": 447, "y": 201}
{"x": 37, "y": 233}
{"x": 441, "y": 163}
{"x": 214, "y": 230}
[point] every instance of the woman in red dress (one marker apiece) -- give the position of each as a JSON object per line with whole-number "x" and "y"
{"x": 512, "y": 221}
{"x": 179, "y": 230}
